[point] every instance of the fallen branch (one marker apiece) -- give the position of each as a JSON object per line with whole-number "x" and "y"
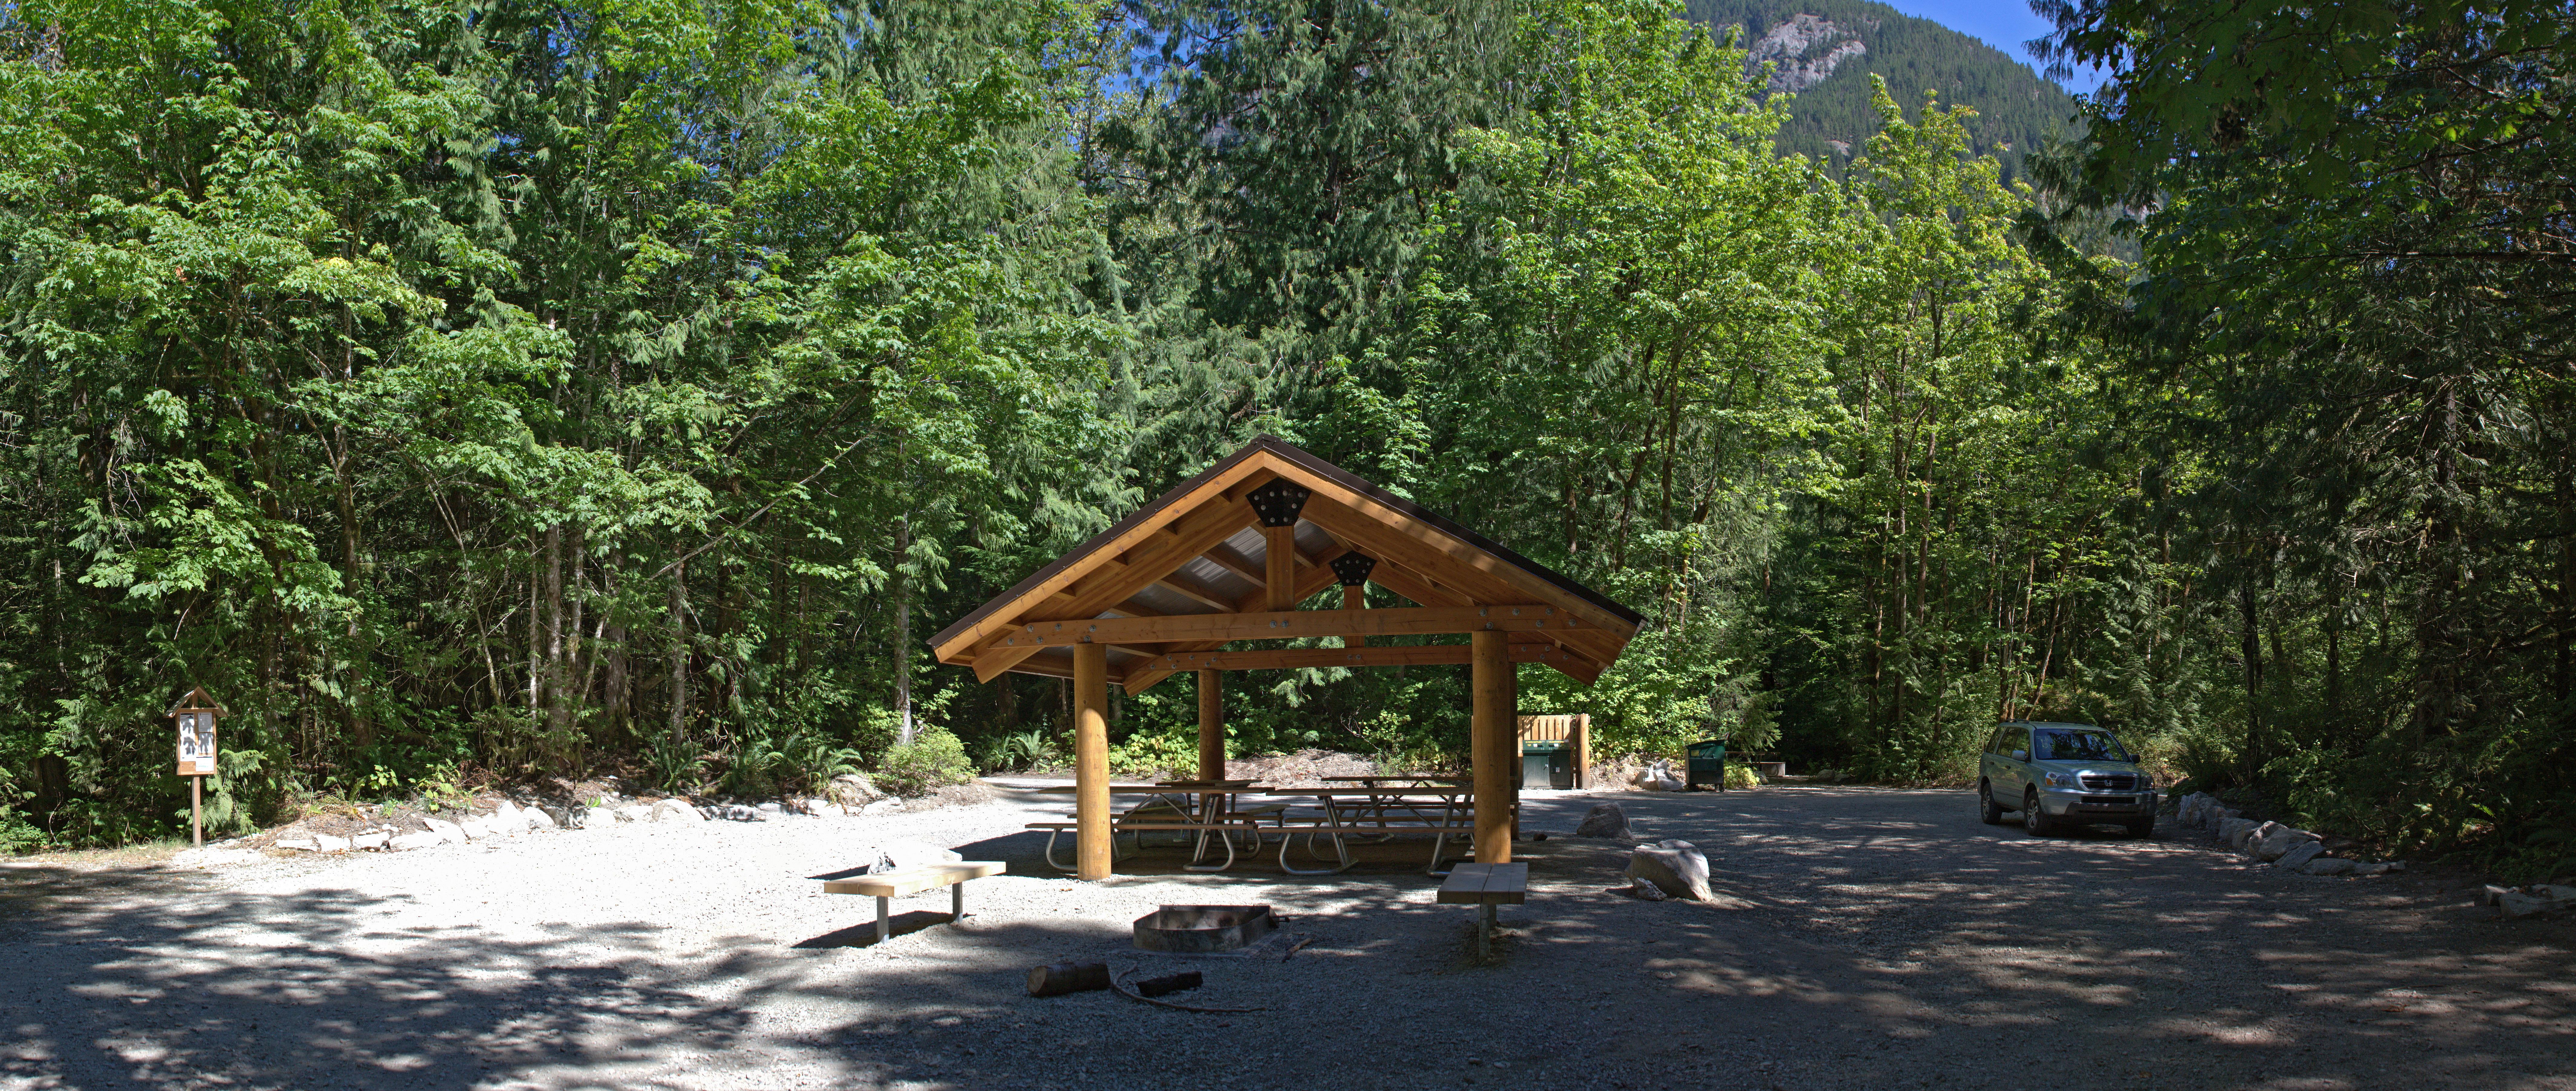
{"x": 1114, "y": 983}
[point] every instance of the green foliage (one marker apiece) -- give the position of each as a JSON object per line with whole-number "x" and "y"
{"x": 934, "y": 760}
{"x": 567, "y": 390}
{"x": 1172, "y": 751}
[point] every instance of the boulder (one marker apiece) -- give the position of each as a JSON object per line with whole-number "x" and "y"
{"x": 405, "y": 842}
{"x": 2328, "y": 865}
{"x": 773, "y": 807}
{"x": 635, "y": 812}
{"x": 897, "y": 855}
{"x": 598, "y": 818}
{"x": 372, "y": 839}
{"x": 1657, "y": 776}
{"x": 2253, "y": 835}
{"x": 539, "y": 818}
{"x": 506, "y": 817}
{"x": 882, "y": 806}
{"x": 2198, "y": 811}
{"x": 854, "y": 790}
{"x": 676, "y": 810}
{"x": 475, "y": 827}
{"x": 1676, "y": 866}
{"x": 449, "y": 833}
{"x": 328, "y": 843}
{"x": 2370, "y": 869}
{"x": 299, "y": 844}
{"x": 2518, "y": 904}
{"x": 1644, "y": 889}
{"x": 2299, "y": 855}
{"x": 1603, "y": 820}
{"x": 2275, "y": 844}
{"x": 2233, "y": 830}
{"x": 820, "y": 807}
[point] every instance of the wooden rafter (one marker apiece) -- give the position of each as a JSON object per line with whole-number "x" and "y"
{"x": 1420, "y": 556}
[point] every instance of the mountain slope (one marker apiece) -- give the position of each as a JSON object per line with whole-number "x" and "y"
{"x": 1825, "y": 51}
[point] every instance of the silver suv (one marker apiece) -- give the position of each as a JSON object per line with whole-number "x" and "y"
{"x": 2063, "y": 776}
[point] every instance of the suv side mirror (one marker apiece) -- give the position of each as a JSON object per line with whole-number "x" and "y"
{"x": 2021, "y": 755}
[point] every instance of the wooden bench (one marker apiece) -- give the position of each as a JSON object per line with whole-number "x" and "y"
{"x": 913, "y": 880}
{"x": 1486, "y": 885}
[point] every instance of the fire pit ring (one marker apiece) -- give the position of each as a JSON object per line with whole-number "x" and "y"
{"x": 1203, "y": 929}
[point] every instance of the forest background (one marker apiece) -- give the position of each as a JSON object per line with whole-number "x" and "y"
{"x": 503, "y": 390}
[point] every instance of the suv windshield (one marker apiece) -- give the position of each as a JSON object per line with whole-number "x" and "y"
{"x": 2062, "y": 745}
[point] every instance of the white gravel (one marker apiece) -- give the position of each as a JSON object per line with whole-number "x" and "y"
{"x": 1865, "y": 939}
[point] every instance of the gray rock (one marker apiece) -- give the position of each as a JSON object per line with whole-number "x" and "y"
{"x": 2233, "y": 830}
{"x": 541, "y": 818}
{"x": 299, "y": 844}
{"x": 773, "y": 807}
{"x": 2555, "y": 892}
{"x": 598, "y": 818}
{"x": 897, "y": 855}
{"x": 882, "y": 806}
{"x": 854, "y": 790}
{"x": 405, "y": 842}
{"x": 327, "y": 843}
{"x": 1603, "y": 820}
{"x": 2518, "y": 904}
{"x": 2329, "y": 865}
{"x": 677, "y": 810}
{"x": 1645, "y": 890}
{"x": 2199, "y": 811}
{"x": 2299, "y": 855}
{"x": 2278, "y": 842}
{"x": 2370, "y": 869}
{"x": 635, "y": 812}
{"x": 736, "y": 812}
{"x": 449, "y": 833}
{"x": 506, "y": 817}
{"x": 372, "y": 839}
{"x": 476, "y": 827}
{"x": 1676, "y": 866}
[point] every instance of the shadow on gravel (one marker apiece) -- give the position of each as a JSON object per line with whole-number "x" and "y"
{"x": 865, "y": 935}
{"x": 307, "y": 994}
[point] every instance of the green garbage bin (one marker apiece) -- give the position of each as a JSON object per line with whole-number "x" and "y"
{"x": 1707, "y": 764}
{"x": 1546, "y": 764}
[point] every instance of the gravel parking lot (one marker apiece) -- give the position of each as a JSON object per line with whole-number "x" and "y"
{"x": 1865, "y": 938}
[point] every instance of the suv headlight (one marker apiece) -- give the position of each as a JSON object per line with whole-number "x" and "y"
{"x": 2060, "y": 780}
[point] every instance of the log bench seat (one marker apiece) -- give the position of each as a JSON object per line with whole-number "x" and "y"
{"x": 1487, "y": 886}
{"x": 913, "y": 880}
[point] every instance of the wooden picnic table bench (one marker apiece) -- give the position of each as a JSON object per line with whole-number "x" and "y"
{"x": 913, "y": 880}
{"x": 1485, "y": 885}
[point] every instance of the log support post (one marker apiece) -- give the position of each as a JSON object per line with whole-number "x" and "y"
{"x": 1091, "y": 760}
{"x": 1490, "y": 733}
{"x": 1582, "y": 747}
{"x": 1211, "y": 725}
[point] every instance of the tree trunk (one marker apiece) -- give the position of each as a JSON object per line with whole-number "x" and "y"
{"x": 902, "y": 635}
{"x": 679, "y": 657}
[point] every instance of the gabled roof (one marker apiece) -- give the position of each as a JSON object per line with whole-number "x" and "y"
{"x": 197, "y": 699}
{"x": 1200, "y": 549}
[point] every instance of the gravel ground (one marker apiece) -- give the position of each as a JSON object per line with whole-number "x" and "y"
{"x": 1865, "y": 938}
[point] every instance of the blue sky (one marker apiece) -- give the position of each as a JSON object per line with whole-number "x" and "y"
{"x": 2003, "y": 24}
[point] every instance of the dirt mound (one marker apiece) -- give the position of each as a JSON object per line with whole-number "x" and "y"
{"x": 1303, "y": 769}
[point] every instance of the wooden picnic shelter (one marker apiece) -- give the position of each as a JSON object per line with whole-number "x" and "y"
{"x": 1212, "y": 575}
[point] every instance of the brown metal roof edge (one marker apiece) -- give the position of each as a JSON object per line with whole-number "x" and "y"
{"x": 1095, "y": 542}
{"x": 1312, "y": 464}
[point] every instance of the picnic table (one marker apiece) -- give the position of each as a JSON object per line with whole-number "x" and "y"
{"x": 1380, "y": 813}
{"x": 1194, "y": 809}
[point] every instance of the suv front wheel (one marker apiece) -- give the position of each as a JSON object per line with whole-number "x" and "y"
{"x": 2033, "y": 818}
{"x": 1986, "y": 808}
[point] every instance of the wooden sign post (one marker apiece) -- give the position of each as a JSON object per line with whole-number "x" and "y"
{"x": 196, "y": 714}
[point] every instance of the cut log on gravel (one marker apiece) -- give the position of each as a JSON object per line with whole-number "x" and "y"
{"x": 1170, "y": 983}
{"x": 1131, "y": 994}
{"x": 1068, "y": 977}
